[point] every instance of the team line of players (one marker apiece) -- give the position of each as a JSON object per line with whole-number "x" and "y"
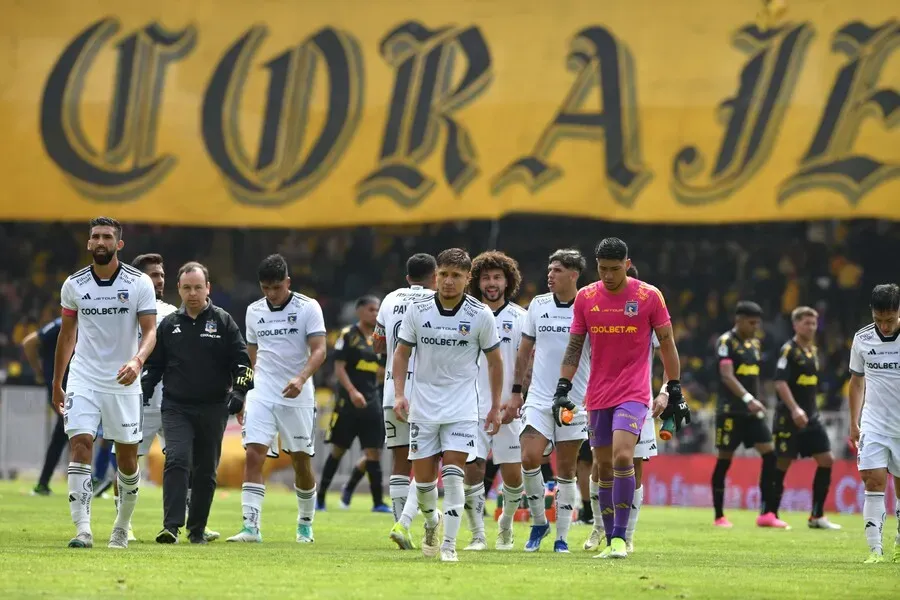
{"x": 456, "y": 372}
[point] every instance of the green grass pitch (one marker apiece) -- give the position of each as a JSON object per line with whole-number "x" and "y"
{"x": 678, "y": 555}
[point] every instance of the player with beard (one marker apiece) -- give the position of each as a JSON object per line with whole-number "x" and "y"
{"x": 496, "y": 279}
{"x": 111, "y": 309}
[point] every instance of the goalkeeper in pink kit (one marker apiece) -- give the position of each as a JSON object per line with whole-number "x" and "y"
{"x": 620, "y": 314}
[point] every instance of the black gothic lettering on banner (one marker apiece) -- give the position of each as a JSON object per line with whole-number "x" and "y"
{"x": 128, "y": 165}
{"x": 280, "y": 173}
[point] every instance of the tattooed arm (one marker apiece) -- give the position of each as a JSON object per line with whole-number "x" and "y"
{"x": 572, "y": 356}
{"x": 526, "y": 380}
{"x": 668, "y": 352}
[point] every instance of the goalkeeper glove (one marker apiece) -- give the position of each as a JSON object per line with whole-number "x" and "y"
{"x": 561, "y": 400}
{"x": 235, "y": 400}
{"x": 677, "y": 408}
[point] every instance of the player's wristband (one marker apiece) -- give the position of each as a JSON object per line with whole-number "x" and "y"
{"x": 517, "y": 388}
{"x": 138, "y": 358}
{"x": 747, "y": 397}
{"x": 664, "y": 389}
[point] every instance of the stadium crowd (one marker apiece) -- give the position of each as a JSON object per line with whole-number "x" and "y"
{"x": 703, "y": 271}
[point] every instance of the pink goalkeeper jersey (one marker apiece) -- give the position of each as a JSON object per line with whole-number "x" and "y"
{"x": 620, "y": 327}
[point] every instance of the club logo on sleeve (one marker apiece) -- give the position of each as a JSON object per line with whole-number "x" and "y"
{"x": 464, "y": 328}
{"x": 211, "y": 327}
{"x": 122, "y": 295}
{"x": 292, "y": 318}
{"x": 631, "y": 308}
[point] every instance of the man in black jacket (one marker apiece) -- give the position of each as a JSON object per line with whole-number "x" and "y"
{"x": 202, "y": 360}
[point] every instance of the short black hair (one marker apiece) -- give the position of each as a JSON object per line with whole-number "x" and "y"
{"x": 570, "y": 258}
{"x": 632, "y": 271}
{"x": 142, "y": 261}
{"x": 611, "y": 248}
{"x": 366, "y": 300}
{"x": 420, "y": 266}
{"x": 193, "y": 266}
{"x": 746, "y": 308}
{"x": 273, "y": 268}
{"x": 886, "y": 297}
{"x": 107, "y": 222}
{"x": 454, "y": 257}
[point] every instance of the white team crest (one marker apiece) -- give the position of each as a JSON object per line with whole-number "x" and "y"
{"x": 631, "y": 308}
{"x": 465, "y": 328}
{"x": 292, "y": 318}
{"x": 210, "y": 327}
{"x": 122, "y": 296}
{"x": 507, "y": 326}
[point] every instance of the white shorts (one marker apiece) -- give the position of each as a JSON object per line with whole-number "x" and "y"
{"x": 541, "y": 418}
{"x": 430, "y": 439}
{"x": 396, "y": 432}
{"x": 646, "y": 446}
{"x": 152, "y": 428}
{"x": 878, "y": 451}
{"x": 294, "y": 425}
{"x": 504, "y": 446}
{"x": 121, "y": 415}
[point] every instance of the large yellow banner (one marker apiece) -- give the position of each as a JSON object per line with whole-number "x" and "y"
{"x": 349, "y": 112}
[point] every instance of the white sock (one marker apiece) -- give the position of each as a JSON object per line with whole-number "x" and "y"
{"x": 534, "y": 490}
{"x": 454, "y": 500}
{"x": 252, "y": 495}
{"x": 411, "y": 507}
{"x": 187, "y": 503}
{"x": 565, "y": 505}
{"x": 635, "y": 512}
{"x": 897, "y": 514}
{"x": 306, "y": 505}
{"x": 595, "y": 504}
{"x": 427, "y": 496}
{"x": 399, "y": 490}
{"x": 81, "y": 491}
{"x": 474, "y": 504}
{"x": 512, "y": 496}
{"x": 128, "y": 494}
{"x": 873, "y": 516}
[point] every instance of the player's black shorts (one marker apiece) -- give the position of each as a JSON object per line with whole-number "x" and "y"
{"x": 791, "y": 442}
{"x": 584, "y": 453}
{"x": 734, "y": 430}
{"x": 367, "y": 424}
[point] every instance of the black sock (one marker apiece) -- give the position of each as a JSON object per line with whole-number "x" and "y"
{"x": 547, "y": 471}
{"x": 328, "y": 471}
{"x": 58, "y": 443}
{"x": 766, "y": 478}
{"x": 718, "y": 485}
{"x": 587, "y": 513}
{"x": 373, "y": 468}
{"x": 490, "y": 473}
{"x": 356, "y": 476}
{"x": 821, "y": 483}
{"x": 777, "y": 491}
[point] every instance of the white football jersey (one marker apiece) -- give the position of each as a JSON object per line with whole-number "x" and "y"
{"x": 877, "y": 358}
{"x": 547, "y": 322}
{"x": 509, "y": 321}
{"x": 390, "y": 317}
{"x": 280, "y": 334}
{"x": 163, "y": 309}
{"x": 107, "y": 313}
{"x": 654, "y": 344}
{"x": 448, "y": 343}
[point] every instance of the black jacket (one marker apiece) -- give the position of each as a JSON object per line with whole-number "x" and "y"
{"x": 198, "y": 360}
